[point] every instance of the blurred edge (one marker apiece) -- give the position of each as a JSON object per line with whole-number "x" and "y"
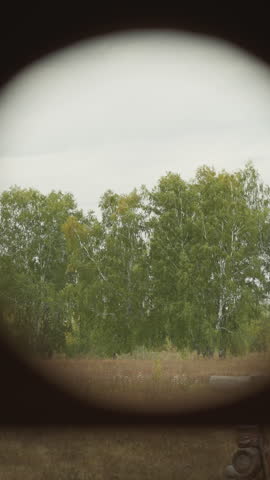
{"x": 29, "y": 32}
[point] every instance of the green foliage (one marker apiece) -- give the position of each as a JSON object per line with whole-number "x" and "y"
{"x": 258, "y": 333}
{"x": 182, "y": 267}
{"x": 169, "y": 346}
{"x": 33, "y": 261}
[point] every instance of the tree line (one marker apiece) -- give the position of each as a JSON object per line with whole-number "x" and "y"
{"x": 185, "y": 263}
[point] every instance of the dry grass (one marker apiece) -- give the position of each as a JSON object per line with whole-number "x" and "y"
{"x": 115, "y": 455}
{"x": 133, "y": 454}
{"x": 165, "y": 380}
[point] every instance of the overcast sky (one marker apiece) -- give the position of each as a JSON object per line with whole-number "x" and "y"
{"x": 123, "y": 110}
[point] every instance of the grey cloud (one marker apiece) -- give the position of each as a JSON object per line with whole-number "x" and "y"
{"x": 123, "y": 110}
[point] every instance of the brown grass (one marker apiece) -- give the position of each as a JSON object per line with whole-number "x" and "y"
{"x": 163, "y": 381}
{"x": 115, "y": 455}
{"x": 133, "y": 454}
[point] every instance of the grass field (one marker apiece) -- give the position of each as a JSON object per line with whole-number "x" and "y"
{"x": 121, "y": 454}
{"x": 153, "y": 380}
{"x": 115, "y": 455}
